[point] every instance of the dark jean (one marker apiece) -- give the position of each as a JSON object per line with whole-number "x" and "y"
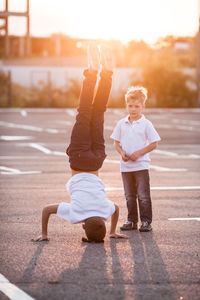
{"x": 87, "y": 146}
{"x": 137, "y": 186}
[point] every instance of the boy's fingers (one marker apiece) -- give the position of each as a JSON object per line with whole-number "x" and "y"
{"x": 124, "y": 236}
{"x": 119, "y": 236}
{"x": 40, "y": 239}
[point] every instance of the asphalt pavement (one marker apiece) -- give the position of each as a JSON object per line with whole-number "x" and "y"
{"x": 162, "y": 264}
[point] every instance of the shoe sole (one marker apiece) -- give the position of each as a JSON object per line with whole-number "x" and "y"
{"x": 145, "y": 230}
{"x": 124, "y": 229}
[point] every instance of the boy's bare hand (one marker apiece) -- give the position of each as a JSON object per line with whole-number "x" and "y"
{"x": 118, "y": 236}
{"x": 135, "y": 155}
{"x": 40, "y": 238}
{"x": 125, "y": 156}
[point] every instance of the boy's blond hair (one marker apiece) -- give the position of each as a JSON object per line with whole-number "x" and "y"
{"x": 136, "y": 93}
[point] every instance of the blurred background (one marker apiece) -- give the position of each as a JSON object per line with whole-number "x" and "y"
{"x": 43, "y": 50}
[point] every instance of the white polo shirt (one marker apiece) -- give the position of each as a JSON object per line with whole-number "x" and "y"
{"x": 88, "y": 199}
{"x": 132, "y": 137}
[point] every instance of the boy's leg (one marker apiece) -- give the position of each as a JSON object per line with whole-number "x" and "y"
{"x": 130, "y": 191}
{"x": 144, "y": 197}
{"x": 98, "y": 109}
{"x": 81, "y": 135}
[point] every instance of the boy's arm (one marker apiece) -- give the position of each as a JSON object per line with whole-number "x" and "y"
{"x": 119, "y": 149}
{"x": 135, "y": 155}
{"x": 114, "y": 220}
{"x": 47, "y": 211}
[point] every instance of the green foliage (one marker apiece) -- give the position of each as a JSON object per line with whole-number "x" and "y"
{"x": 167, "y": 86}
{"x": 43, "y": 96}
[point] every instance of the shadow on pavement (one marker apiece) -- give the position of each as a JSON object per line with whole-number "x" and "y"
{"x": 27, "y": 275}
{"x": 91, "y": 280}
{"x": 151, "y": 279}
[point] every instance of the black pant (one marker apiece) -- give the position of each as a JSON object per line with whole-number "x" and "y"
{"x": 87, "y": 146}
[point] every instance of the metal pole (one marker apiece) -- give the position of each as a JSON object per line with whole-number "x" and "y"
{"x": 6, "y": 32}
{"x": 28, "y": 41}
{"x": 49, "y": 88}
{"x": 9, "y": 89}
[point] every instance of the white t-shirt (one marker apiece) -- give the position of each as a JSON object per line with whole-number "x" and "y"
{"x": 132, "y": 137}
{"x": 88, "y": 199}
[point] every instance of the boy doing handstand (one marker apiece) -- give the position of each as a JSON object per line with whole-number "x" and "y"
{"x": 86, "y": 152}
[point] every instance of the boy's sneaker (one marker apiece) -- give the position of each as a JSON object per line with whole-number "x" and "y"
{"x": 145, "y": 226}
{"x": 129, "y": 226}
{"x": 106, "y": 57}
{"x": 93, "y": 56}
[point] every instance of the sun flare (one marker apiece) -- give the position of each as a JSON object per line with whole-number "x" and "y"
{"x": 114, "y": 19}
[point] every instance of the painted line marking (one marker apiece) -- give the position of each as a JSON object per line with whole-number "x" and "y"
{"x": 118, "y": 112}
{"x": 153, "y": 167}
{"x": 175, "y": 155}
{"x": 15, "y": 137}
{"x": 71, "y": 112}
{"x": 23, "y": 113}
{"x": 181, "y": 127}
{"x": 186, "y": 122}
{"x": 107, "y": 127}
{"x": 164, "y": 169}
{"x": 160, "y": 188}
{"x": 11, "y": 171}
{"x": 40, "y": 148}
{"x": 68, "y": 123}
{"x": 28, "y": 127}
{"x": 184, "y": 219}
{"x": 12, "y": 291}
{"x": 19, "y": 157}
{"x": 45, "y": 150}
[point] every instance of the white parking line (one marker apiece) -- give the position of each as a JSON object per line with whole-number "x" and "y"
{"x": 175, "y": 155}
{"x": 160, "y": 188}
{"x": 186, "y": 122}
{"x": 153, "y": 167}
{"x": 28, "y": 127}
{"x": 71, "y": 112}
{"x": 15, "y": 138}
{"x": 45, "y": 150}
{"x": 23, "y": 113}
{"x": 184, "y": 219}
{"x": 11, "y": 171}
{"x": 107, "y": 127}
{"x": 12, "y": 291}
{"x": 40, "y": 148}
{"x": 68, "y": 123}
{"x": 164, "y": 169}
{"x": 181, "y": 127}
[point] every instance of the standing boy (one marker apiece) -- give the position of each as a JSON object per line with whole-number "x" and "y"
{"x": 89, "y": 204}
{"x": 134, "y": 137}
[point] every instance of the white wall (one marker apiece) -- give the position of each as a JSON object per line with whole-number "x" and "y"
{"x": 30, "y": 76}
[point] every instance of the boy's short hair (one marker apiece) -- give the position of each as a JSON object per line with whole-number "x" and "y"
{"x": 136, "y": 93}
{"x": 95, "y": 229}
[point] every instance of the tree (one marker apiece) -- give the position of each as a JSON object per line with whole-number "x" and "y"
{"x": 166, "y": 84}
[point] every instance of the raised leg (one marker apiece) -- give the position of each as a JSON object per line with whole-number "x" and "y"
{"x": 98, "y": 109}
{"x": 81, "y": 135}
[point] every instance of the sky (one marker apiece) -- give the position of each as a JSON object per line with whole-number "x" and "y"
{"x": 107, "y": 19}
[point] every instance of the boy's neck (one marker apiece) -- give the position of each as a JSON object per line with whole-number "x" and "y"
{"x": 131, "y": 119}
{"x": 74, "y": 172}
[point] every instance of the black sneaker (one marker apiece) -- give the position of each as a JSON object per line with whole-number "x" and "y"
{"x": 145, "y": 226}
{"x": 129, "y": 226}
